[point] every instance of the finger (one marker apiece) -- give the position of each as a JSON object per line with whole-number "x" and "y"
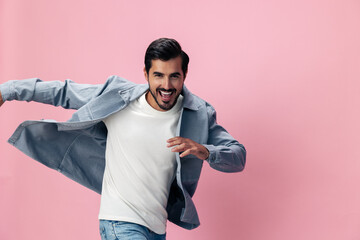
{"x": 180, "y": 148}
{"x": 185, "y": 153}
{"x": 173, "y": 139}
{"x": 176, "y": 142}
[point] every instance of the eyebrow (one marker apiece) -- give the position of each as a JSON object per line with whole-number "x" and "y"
{"x": 175, "y": 74}
{"x": 172, "y": 74}
{"x": 158, "y": 73}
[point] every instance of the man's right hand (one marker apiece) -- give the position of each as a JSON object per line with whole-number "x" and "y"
{"x": 1, "y": 100}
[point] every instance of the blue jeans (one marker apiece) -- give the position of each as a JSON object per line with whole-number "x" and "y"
{"x": 119, "y": 230}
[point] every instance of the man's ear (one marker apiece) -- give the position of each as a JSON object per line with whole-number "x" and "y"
{"x": 146, "y": 75}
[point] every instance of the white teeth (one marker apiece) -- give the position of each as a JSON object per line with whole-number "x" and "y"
{"x": 166, "y": 93}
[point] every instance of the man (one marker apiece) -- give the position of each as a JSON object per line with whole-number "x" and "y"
{"x": 153, "y": 138}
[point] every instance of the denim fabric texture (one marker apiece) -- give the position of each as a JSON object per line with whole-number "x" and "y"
{"x": 120, "y": 230}
{"x": 76, "y": 148}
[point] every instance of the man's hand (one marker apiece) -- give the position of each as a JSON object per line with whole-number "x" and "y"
{"x": 1, "y": 100}
{"x": 187, "y": 146}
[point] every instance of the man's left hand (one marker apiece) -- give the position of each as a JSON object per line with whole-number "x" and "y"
{"x": 187, "y": 146}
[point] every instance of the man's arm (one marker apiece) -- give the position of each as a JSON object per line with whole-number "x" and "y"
{"x": 187, "y": 146}
{"x": 1, "y": 100}
{"x": 222, "y": 151}
{"x": 67, "y": 94}
{"x": 226, "y": 153}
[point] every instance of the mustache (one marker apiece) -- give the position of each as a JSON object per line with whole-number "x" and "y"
{"x": 172, "y": 90}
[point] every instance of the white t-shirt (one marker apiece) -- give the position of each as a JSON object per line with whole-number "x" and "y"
{"x": 139, "y": 166}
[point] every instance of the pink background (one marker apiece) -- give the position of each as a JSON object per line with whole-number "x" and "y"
{"x": 283, "y": 76}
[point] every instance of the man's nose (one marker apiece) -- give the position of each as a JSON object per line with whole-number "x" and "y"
{"x": 167, "y": 84}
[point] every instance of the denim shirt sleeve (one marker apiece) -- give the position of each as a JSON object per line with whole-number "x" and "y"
{"x": 226, "y": 154}
{"x": 67, "y": 94}
{"x": 5, "y": 90}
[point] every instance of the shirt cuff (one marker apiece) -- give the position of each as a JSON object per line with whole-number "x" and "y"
{"x": 6, "y": 90}
{"x": 212, "y": 153}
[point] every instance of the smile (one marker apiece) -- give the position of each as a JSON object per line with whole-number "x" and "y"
{"x": 166, "y": 95}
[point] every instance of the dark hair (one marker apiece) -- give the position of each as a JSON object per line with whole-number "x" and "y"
{"x": 165, "y": 49}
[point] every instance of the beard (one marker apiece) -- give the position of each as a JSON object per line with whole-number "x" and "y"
{"x": 167, "y": 105}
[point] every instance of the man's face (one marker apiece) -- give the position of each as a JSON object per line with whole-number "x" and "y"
{"x": 166, "y": 80}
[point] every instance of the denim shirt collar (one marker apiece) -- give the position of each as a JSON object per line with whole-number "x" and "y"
{"x": 189, "y": 102}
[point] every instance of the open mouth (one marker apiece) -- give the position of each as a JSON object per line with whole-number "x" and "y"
{"x": 166, "y": 95}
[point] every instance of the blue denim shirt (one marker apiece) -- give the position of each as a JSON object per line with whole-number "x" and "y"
{"x": 76, "y": 148}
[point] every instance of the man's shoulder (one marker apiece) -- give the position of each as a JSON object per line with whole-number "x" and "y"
{"x": 119, "y": 82}
{"x": 195, "y": 102}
